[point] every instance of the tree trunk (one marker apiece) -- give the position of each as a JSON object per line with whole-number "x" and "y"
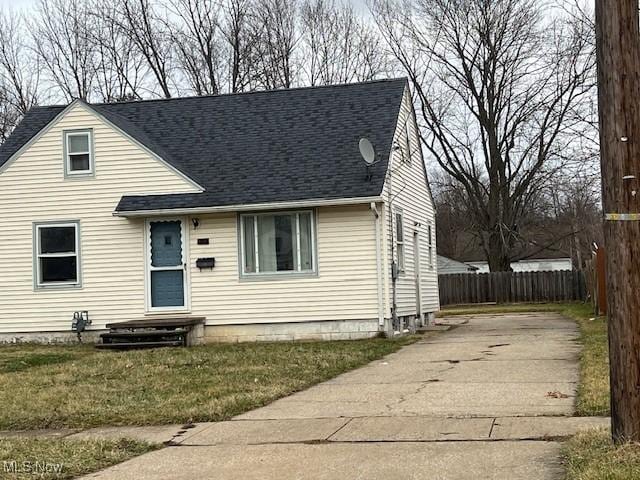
{"x": 498, "y": 254}
{"x": 618, "y": 50}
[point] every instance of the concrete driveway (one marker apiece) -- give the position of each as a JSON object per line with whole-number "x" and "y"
{"x": 488, "y": 399}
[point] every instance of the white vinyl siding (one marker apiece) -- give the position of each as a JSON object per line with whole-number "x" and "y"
{"x": 411, "y": 196}
{"x": 33, "y": 189}
{"x": 343, "y": 288}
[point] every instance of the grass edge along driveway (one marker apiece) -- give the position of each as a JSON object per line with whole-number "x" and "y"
{"x": 589, "y": 455}
{"x": 593, "y": 390}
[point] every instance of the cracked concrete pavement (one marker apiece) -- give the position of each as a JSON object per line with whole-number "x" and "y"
{"x": 489, "y": 399}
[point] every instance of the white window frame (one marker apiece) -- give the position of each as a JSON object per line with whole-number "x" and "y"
{"x": 67, "y": 134}
{"x": 399, "y": 226}
{"x": 37, "y": 255}
{"x": 430, "y": 233}
{"x": 298, "y": 260}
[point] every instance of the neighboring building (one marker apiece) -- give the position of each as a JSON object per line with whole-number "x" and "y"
{"x": 530, "y": 265}
{"x": 253, "y": 210}
{"x": 448, "y": 266}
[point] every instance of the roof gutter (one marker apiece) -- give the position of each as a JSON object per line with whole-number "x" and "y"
{"x": 249, "y": 207}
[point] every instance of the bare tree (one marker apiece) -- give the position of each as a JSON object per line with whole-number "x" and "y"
{"x": 455, "y": 232}
{"x": 199, "y": 43}
{"x": 9, "y": 116}
{"x": 575, "y": 203}
{"x": 148, "y": 31}
{"x": 19, "y": 70}
{"x": 19, "y": 73}
{"x": 240, "y": 37}
{"x": 338, "y": 46}
{"x": 61, "y": 41}
{"x": 119, "y": 69}
{"x": 274, "y": 22}
{"x": 499, "y": 85}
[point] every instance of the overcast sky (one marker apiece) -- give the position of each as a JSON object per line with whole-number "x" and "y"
{"x": 16, "y": 3}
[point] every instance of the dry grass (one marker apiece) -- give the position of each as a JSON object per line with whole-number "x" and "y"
{"x": 78, "y": 386}
{"x": 592, "y": 456}
{"x": 49, "y": 459}
{"x": 593, "y": 391}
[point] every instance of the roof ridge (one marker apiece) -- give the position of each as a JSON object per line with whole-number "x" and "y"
{"x": 256, "y": 92}
{"x": 229, "y": 94}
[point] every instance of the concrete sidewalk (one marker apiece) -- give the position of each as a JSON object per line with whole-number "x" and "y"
{"x": 488, "y": 399}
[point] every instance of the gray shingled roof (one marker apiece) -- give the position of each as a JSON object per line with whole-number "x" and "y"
{"x": 259, "y": 147}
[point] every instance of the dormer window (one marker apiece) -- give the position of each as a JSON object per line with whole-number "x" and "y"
{"x": 78, "y": 152}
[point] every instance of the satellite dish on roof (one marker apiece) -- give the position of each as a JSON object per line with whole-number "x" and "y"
{"x": 367, "y": 151}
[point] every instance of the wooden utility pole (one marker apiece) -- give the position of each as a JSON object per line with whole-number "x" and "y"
{"x": 618, "y": 51}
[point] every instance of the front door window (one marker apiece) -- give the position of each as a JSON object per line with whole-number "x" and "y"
{"x": 167, "y": 272}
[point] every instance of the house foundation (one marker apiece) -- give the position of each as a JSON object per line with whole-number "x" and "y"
{"x": 291, "y": 331}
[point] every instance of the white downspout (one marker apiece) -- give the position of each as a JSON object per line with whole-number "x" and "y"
{"x": 376, "y": 224}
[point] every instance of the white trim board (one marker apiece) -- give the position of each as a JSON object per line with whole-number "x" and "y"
{"x": 250, "y": 207}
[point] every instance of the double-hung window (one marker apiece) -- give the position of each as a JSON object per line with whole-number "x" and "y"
{"x": 400, "y": 240}
{"x": 78, "y": 152}
{"x": 278, "y": 243}
{"x": 57, "y": 258}
{"x": 430, "y": 233}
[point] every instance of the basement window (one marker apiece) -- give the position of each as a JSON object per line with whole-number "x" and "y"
{"x": 78, "y": 153}
{"x": 57, "y": 259}
{"x": 278, "y": 243}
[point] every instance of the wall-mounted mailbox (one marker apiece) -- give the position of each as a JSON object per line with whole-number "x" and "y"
{"x": 203, "y": 241}
{"x": 202, "y": 263}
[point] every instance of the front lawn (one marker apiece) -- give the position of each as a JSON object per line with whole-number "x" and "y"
{"x": 593, "y": 391}
{"x": 80, "y": 387}
{"x": 55, "y": 459}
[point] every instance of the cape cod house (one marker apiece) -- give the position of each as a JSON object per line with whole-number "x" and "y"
{"x": 253, "y": 214}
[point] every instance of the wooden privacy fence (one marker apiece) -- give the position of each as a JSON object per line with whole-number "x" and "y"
{"x": 512, "y": 287}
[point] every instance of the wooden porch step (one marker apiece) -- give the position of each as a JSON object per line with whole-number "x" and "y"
{"x": 158, "y": 322}
{"x": 144, "y": 333}
{"x": 144, "y": 337}
{"x": 131, "y": 345}
{"x": 149, "y": 332}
